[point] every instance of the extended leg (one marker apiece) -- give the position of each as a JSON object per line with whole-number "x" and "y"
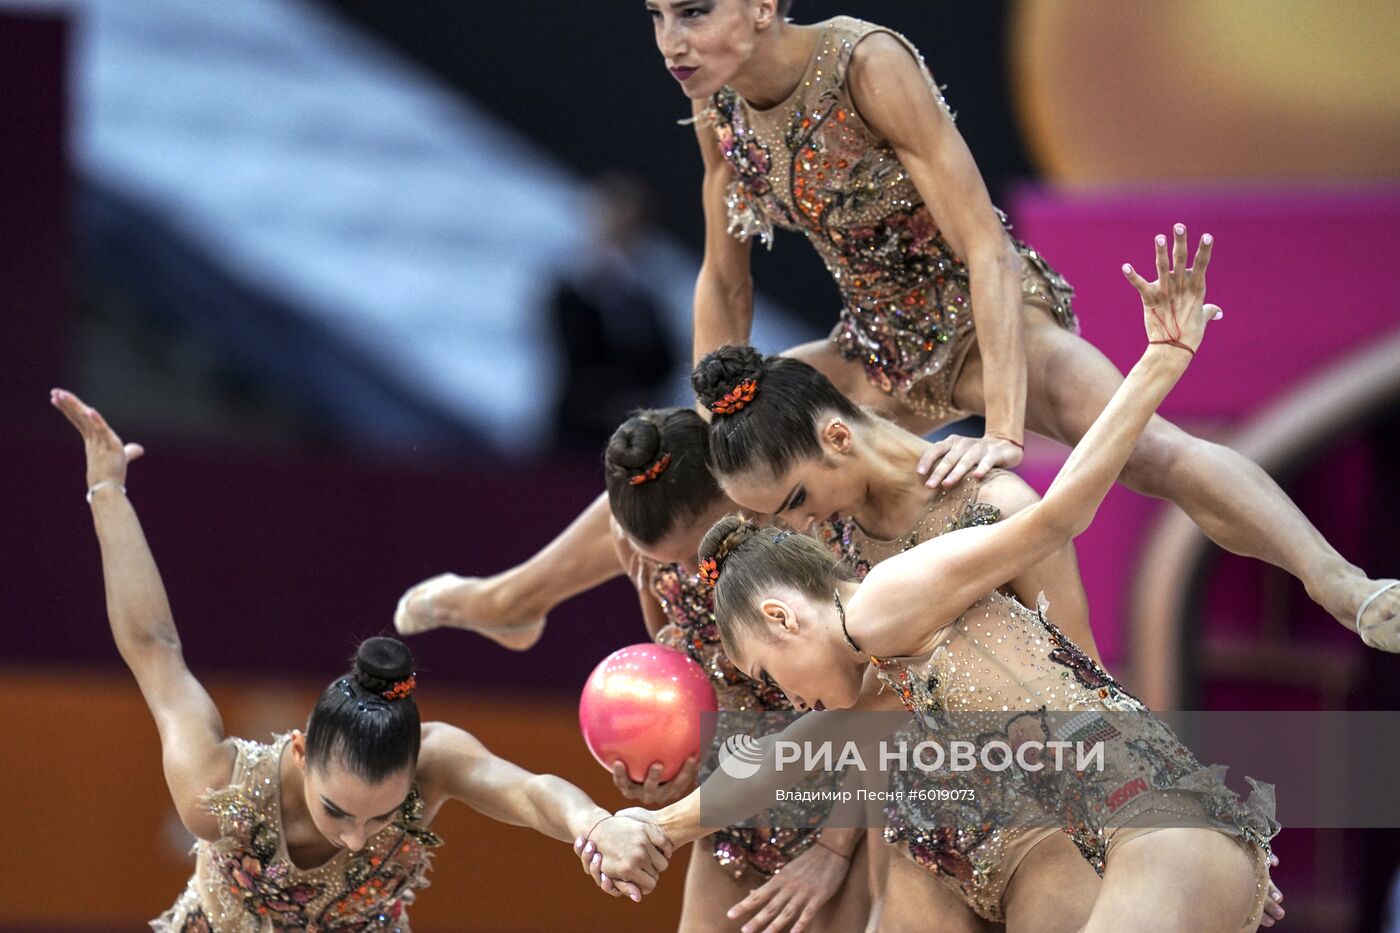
{"x": 1234, "y": 502}
{"x": 510, "y": 607}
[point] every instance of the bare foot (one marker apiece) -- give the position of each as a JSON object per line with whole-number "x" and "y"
{"x": 1378, "y": 617}
{"x": 1371, "y": 608}
{"x": 472, "y": 603}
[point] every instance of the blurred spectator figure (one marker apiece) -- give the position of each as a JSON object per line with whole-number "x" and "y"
{"x": 613, "y": 341}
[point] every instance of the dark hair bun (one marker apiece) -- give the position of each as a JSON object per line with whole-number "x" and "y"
{"x": 635, "y": 445}
{"x": 382, "y": 662}
{"x": 720, "y": 371}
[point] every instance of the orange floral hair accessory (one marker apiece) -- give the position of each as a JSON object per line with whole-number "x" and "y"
{"x": 736, "y": 398}
{"x": 401, "y": 690}
{"x": 651, "y": 472}
{"x": 709, "y": 570}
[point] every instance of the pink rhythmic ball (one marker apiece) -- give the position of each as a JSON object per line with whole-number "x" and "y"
{"x": 643, "y": 704}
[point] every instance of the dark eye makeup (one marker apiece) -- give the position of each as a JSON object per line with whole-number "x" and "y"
{"x": 689, "y": 12}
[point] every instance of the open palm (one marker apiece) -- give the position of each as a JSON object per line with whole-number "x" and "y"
{"x": 1173, "y": 308}
{"x": 107, "y": 456}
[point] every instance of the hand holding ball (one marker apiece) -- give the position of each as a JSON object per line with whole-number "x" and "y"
{"x": 642, "y": 704}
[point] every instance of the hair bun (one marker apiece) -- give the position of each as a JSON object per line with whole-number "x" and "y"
{"x": 635, "y": 445}
{"x": 720, "y": 371}
{"x": 382, "y": 662}
{"x": 721, "y": 540}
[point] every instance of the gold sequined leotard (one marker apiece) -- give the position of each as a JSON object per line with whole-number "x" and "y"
{"x": 811, "y": 165}
{"x": 977, "y": 844}
{"x": 689, "y": 605}
{"x": 246, "y": 882}
{"x": 948, "y": 510}
{"x": 1005, "y": 670}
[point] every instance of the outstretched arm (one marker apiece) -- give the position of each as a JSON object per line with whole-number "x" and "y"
{"x": 196, "y": 755}
{"x": 724, "y": 290}
{"x": 1057, "y": 576}
{"x": 456, "y": 764}
{"x": 952, "y": 571}
{"x": 723, "y": 800}
{"x": 896, "y": 101}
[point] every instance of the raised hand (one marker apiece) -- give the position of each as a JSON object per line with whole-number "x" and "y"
{"x": 107, "y": 456}
{"x": 653, "y": 790}
{"x": 955, "y": 456}
{"x": 1173, "y": 308}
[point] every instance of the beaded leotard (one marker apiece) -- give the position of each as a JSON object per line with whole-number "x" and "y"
{"x": 689, "y": 605}
{"x": 1001, "y": 656}
{"x": 977, "y": 844}
{"x": 811, "y": 165}
{"x": 247, "y": 883}
{"x": 948, "y": 510}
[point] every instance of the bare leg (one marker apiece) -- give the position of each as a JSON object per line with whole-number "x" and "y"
{"x": 1233, "y": 501}
{"x": 1053, "y": 889}
{"x": 709, "y": 892}
{"x": 916, "y": 902}
{"x": 510, "y": 607}
{"x": 878, "y": 862}
{"x": 1176, "y": 881}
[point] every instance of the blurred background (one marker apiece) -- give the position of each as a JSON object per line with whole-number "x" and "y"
{"x": 346, "y": 269}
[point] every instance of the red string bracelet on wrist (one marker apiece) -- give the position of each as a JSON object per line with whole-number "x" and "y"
{"x": 1174, "y": 343}
{"x": 830, "y": 849}
{"x": 1010, "y": 441}
{"x": 595, "y": 826}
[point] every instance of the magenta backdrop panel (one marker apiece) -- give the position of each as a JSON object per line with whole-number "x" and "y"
{"x": 1303, "y": 278}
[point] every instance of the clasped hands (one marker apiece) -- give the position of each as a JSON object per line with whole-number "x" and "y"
{"x": 625, "y": 853}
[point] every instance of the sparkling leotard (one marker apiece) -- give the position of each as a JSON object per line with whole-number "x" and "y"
{"x": 689, "y": 605}
{"x": 977, "y": 844}
{"x": 246, "y": 882}
{"x": 948, "y": 510}
{"x": 1002, "y": 656}
{"x": 811, "y": 165}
